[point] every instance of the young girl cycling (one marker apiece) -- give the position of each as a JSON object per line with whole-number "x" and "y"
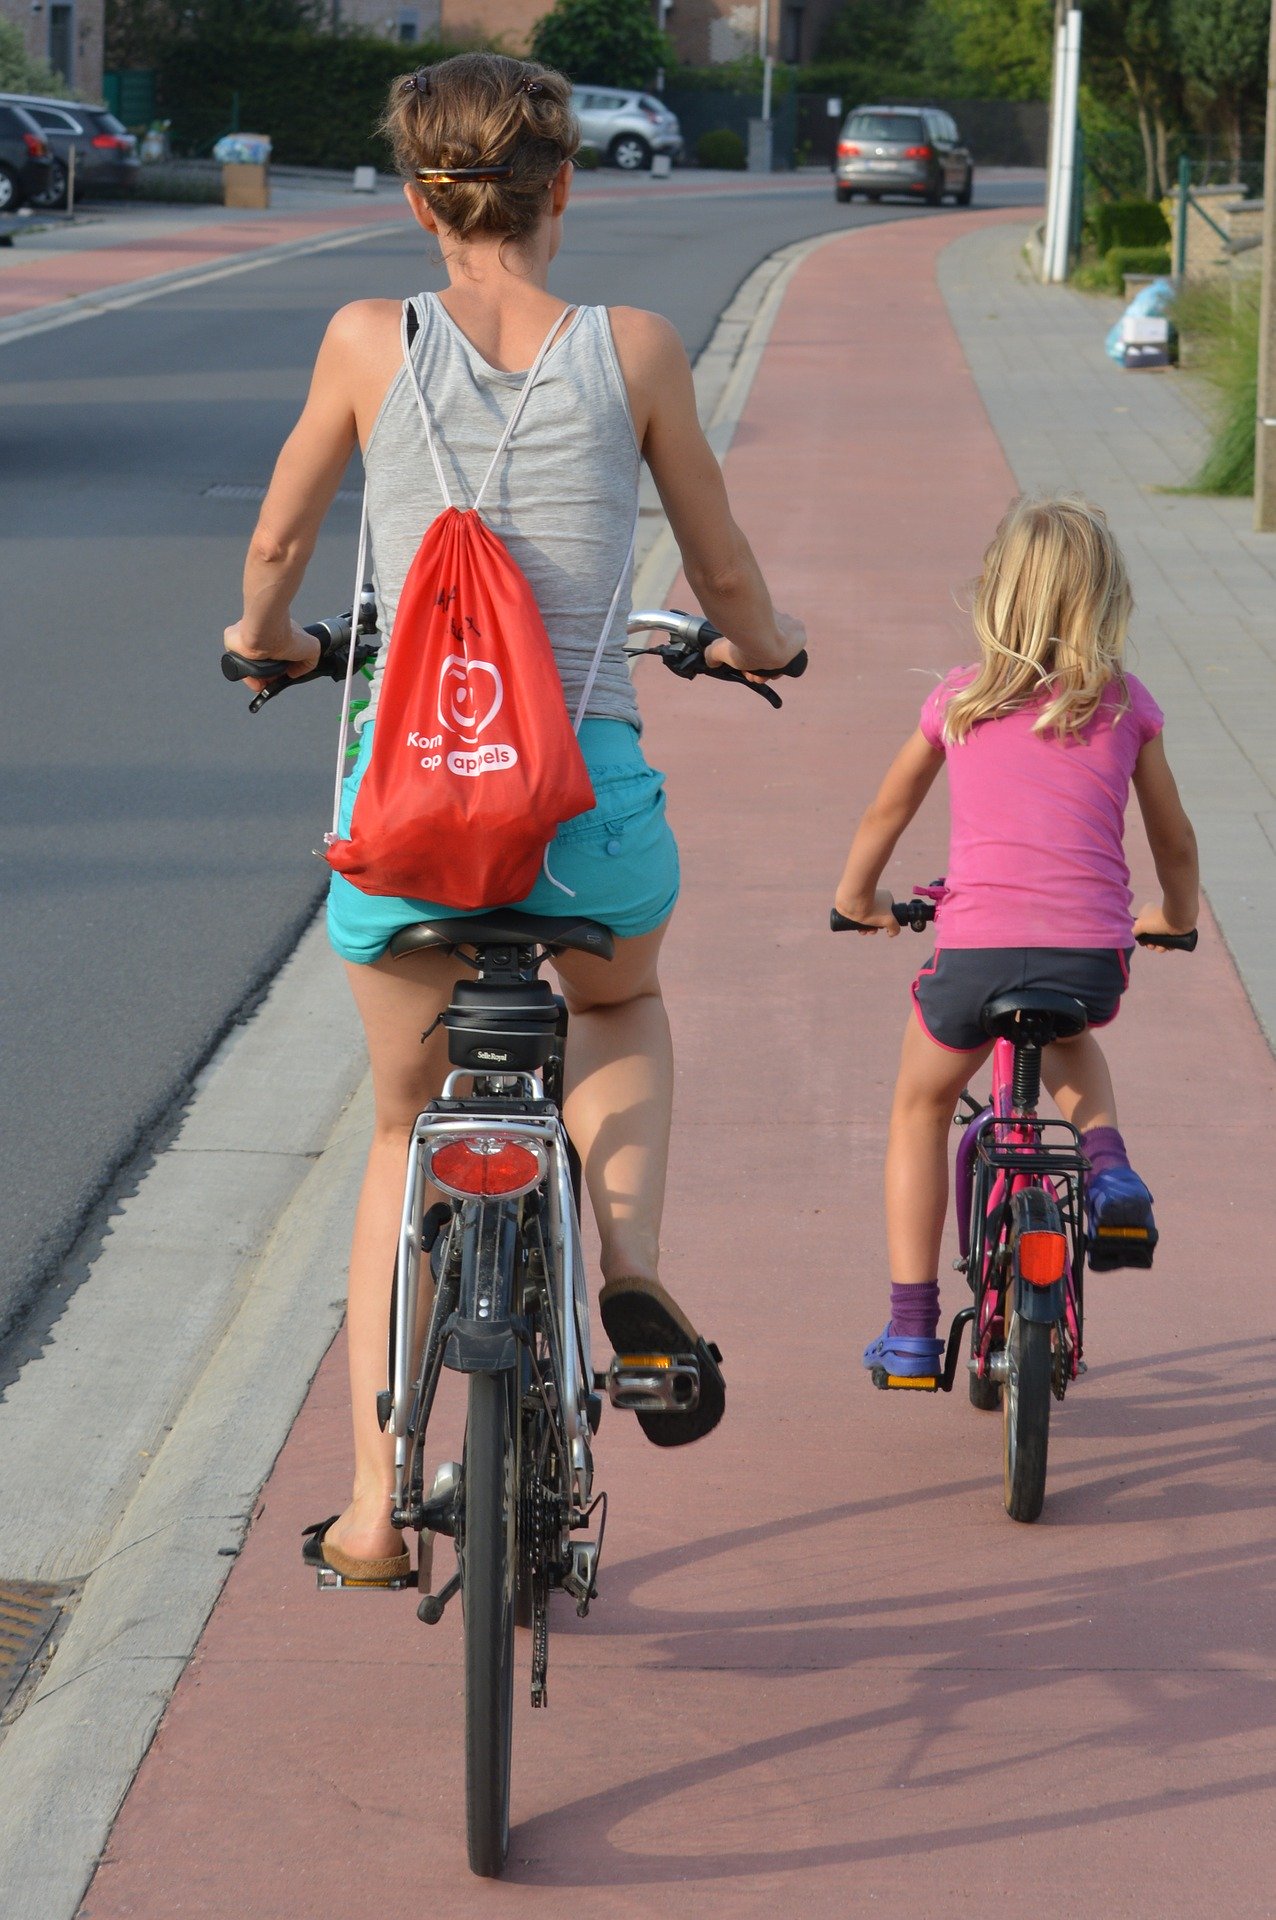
{"x": 1042, "y": 739}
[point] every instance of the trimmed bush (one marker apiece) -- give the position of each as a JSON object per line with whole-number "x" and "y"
{"x": 1122, "y": 260}
{"x": 587, "y": 159}
{"x": 318, "y": 96}
{"x": 1128, "y": 223}
{"x": 721, "y": 148}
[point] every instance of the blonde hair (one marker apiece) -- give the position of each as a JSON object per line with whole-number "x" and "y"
{"x": 483, "y": 111}
{"x": 1051, "y": 610}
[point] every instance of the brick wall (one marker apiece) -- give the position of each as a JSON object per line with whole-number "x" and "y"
{"x": 71, "y": 25}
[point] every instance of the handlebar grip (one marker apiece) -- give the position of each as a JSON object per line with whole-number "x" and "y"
{"x": 1176, "y": 942}
{"x": 238, "y": 666}
{"x": 796, "y": 667}
{"x": 916, "y": 914}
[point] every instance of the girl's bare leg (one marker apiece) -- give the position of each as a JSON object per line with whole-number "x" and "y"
{"x": 620, "y": 1097}
{"x": 397, "y": 1001}
{"x": 1078, "y": 1081}
{"x": 930, "y": 1079}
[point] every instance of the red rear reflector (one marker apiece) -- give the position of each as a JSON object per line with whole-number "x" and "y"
{"x": 919, "y": 153}
{"x": 484, "y": 1164}
{"x": 845, "y": 150}
{"x": 1043, "y": 1257}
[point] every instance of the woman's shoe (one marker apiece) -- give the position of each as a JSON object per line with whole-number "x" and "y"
{"x": 1122, "y": 1232}
{"x": 640, "y": 1317}
{"x": 355, "y": 1573}
{"x": 906, "y": 1355}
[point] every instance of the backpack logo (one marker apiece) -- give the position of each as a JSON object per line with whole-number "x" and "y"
{"x": 461, "y": 707}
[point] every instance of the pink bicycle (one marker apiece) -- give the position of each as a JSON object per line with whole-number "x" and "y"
{"x": 1020, "y": 1193}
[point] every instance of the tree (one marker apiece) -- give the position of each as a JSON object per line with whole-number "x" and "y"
{"x": 141, "y": 33}
{"x": 1004, "y": 46}
{"x": 876, "y": 32}
{"x": 612, "y": 42}
{"x": 19, "y": 71}
{"x": 1223, "y": 48}
{"x": 1133, "y": 45}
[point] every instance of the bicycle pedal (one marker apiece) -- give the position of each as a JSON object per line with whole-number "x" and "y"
{"x": 1110, "y": 1247}
{"x": 920, "y": 1383}
{"x": 329, "y": 1579}
{"x": 654, "y": 1382}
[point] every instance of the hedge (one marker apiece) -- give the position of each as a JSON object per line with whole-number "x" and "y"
{"x": 1128, "y": 223}
{"x": 1122, "y": 260}
{"x": 722, "y": 147}
{"x": 318, "y": 96}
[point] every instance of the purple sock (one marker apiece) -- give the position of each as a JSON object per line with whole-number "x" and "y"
{"x": 1104, "y": 1148}
{"x": 915, "y": 1310}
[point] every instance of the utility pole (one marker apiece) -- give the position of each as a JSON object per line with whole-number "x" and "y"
{"x": 1265, "y": 428}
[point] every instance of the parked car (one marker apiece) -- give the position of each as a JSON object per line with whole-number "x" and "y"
{"x": 912, "y": 150}
{"x": 626, "y": 128}
{"x": 105, "y": 152}
{"x": 25, "y": 160}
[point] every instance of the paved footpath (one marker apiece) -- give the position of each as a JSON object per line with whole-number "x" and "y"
{"x": 826, "y": 1673}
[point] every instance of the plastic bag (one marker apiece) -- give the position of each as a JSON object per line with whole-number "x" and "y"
{"x": 1148, "y": 302}
{"x": 243, "y": 149}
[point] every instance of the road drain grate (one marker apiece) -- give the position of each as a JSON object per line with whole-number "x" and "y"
{"x": 28, "y": 1614}
{"x": 234, "y": 490}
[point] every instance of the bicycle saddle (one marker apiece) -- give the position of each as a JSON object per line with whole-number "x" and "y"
{"x": 1034, "y": 1017}
{"x": 506, "y": 928}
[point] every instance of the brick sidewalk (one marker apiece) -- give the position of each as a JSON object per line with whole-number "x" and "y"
{"x": 825, "y": 1672}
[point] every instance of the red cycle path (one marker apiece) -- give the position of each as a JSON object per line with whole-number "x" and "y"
{"x": 826, "y": 1673}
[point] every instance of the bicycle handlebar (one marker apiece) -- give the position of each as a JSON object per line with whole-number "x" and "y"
{"x": 334, "y": 637}
{"x": 918, "y": 914}
{"x": 1176, "y": 942}
{"x": 689, "y": 636}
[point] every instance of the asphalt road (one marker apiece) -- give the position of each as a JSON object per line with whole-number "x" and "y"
{"x": 156, "y": 845}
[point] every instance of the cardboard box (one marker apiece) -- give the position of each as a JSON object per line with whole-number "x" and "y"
{"x": 244, "y": 185}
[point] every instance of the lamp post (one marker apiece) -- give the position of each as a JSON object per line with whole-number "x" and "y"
{"x": 1265, "y": 426}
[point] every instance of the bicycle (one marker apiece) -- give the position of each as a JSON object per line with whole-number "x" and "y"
{"x": 1021, "y": 1234}
{"x": 511, "y": 1305}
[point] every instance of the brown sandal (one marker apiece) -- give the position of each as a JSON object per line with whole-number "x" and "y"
{"x": 640, "y": 1317}
{"x": 356, "y": 1573}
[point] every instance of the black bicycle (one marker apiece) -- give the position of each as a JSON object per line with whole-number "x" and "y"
{"x": 501, "y": 1249}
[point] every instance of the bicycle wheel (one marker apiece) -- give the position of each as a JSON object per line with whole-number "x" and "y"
{"x": 1025, "y": 1406}
{"x": 487, "y": 1592}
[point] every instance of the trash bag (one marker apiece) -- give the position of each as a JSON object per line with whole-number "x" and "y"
{"x": 1149, "y": 302}
{"x": 243, "y": 149}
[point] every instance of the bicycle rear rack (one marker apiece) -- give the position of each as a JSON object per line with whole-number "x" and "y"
{"x": 931, "y": 1382}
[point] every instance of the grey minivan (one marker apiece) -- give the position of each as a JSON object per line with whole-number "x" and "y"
{"x": 626, "y": 127}
{"x": 912, "y": 150}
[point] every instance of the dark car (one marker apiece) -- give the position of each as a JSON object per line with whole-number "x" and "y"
{"x": 912, "y": 150}
{"x": 25, "y": 161}
{"x": 105, "y": 152}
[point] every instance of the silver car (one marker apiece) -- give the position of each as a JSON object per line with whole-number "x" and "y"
{"x": 911, "y": 150}
{"x": 626, "y": 128}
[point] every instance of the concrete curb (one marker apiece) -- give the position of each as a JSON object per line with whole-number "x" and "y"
{"x": 278, "y": 1118}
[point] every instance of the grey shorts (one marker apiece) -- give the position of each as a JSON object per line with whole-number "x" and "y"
{"x": 956, "y": 984}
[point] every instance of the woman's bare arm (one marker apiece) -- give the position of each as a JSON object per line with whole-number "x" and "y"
{"x": 717, "y": 559}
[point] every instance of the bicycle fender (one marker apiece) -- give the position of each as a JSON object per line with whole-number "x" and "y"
{"x": 479, "y": 1346}
{"x": 1045, "y": 1305}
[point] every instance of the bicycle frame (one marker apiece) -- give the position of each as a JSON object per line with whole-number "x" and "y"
{"x": 1003, "y": 1152}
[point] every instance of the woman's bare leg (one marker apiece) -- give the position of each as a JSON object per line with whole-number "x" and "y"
{"x": 620, "y": 1097}
{"x": 930, "y": 1079}
{"x": 397, "y": 1001}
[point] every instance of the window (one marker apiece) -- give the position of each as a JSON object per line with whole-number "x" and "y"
{"x": 791, "y": 49}
{"x": 52, "y": 120}
{"x": 905, "y": 127}
{"x": 409, "y": 25}
{"x": 62, "y": 40}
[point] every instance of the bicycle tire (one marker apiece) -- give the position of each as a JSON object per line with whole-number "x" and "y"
{"x": 487, "y": 1593}
{"x": 1025, "y": 1404}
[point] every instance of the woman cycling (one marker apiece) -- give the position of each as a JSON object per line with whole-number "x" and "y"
{"x": 485, "y": 145}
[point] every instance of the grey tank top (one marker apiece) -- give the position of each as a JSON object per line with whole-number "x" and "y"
{"x": 563, "y": 498}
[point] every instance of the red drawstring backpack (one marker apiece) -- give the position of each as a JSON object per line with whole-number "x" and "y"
{"x": 474, "y": 763}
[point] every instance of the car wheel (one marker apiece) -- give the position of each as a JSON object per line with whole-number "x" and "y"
{"x": 629, "y": 152}
{"x": 54, "y": 195}
{"x": 967, "y": 192}
{"x": 844, "y": 195}
{"x": 10, "y": 192}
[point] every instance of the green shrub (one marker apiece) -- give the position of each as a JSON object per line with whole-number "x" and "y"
{"x": 1221, "y": 325}
{"x": 721, "y": 148}
{"x": 587, "y": 158}
{"x": 318, "y": 96}
{"x": 1122, "y": 260}
{"x": 22, "y": 72}
{"x": 1127, "y": 223}
{"x": 176, "y": 183}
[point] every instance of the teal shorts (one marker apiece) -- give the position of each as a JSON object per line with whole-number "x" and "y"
{"x": 620, "y": 860}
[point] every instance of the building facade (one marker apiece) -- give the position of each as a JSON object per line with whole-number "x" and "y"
{"x": 705, "y": 32}
{"x": 66, "y": 33}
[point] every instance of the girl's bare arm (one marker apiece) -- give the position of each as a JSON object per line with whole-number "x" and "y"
{"x": 909, "y": 780}
{"x": 1172, "y": 841}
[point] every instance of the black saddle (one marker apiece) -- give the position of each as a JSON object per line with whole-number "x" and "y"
{"x": 1034, "y": 1018}
{"x": 506, "y": 928}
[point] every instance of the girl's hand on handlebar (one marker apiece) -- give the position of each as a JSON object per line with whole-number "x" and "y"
{"x": 301, "y": 650}
{"x": 874, "y": 913}
{"x": 1151, "y": 920}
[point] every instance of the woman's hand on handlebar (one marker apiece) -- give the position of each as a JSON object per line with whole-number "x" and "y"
{"x": 790, "y": 640}
{"x": 300, "y": 649}
{"x": 873, "y": 913}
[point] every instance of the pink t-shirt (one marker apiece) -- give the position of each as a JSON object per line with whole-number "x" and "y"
{"x": 1036, "y": 855}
